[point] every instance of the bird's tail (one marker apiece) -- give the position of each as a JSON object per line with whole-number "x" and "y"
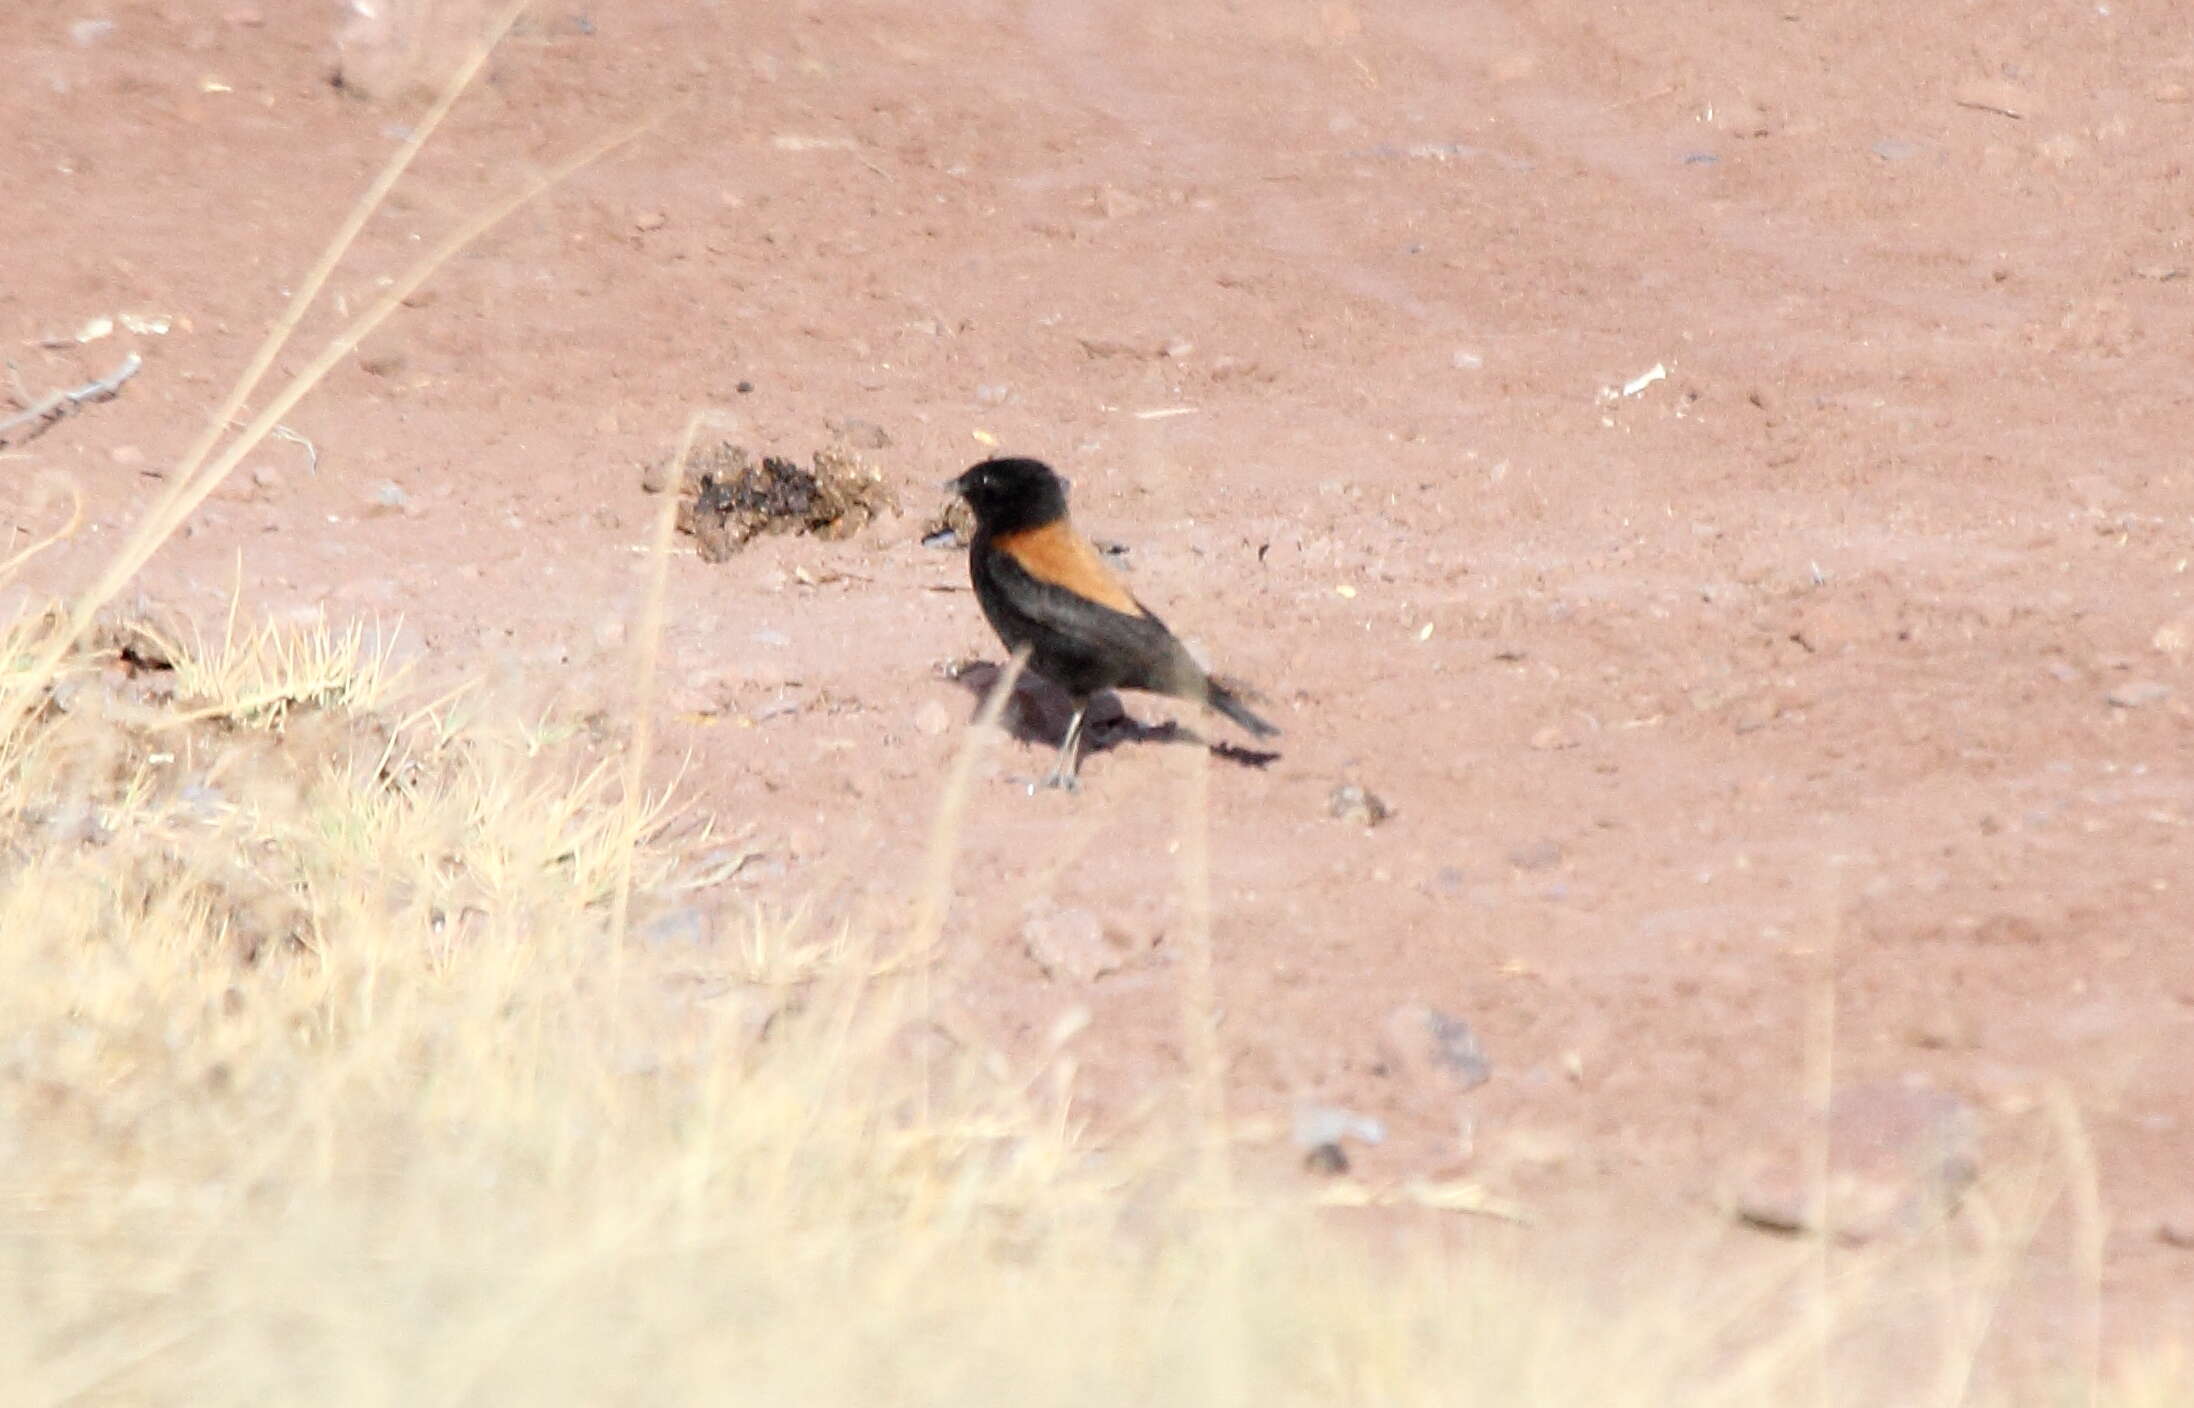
{"x": 1226, "y": 697}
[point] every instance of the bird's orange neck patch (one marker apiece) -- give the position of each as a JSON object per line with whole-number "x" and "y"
{"x": 1056, "y": 554}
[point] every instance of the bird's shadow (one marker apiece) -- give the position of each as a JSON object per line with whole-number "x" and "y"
{"x": 1039, "y": 712}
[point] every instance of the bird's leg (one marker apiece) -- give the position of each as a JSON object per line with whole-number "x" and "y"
{"x": 1065, "y": 774}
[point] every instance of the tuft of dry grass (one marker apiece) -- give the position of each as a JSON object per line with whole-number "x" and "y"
{"x": 316, "y": 1087}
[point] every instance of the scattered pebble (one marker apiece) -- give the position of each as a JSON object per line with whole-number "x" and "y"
{"x": 1426, "y": 1046}
{"x": 2138, "y": 694}
{"x": 994, "y": 393}
{"x": 1552, "y": 738}
{"x": 1897, "y": 149}
{"x": 1900, "y": 1157}
{"x": 1542, "y": 854}
{"x": 2175, "y": 638}
{"x": 686, "y": 926}
{"x": 126, "y": 455}
{"x": 860, "y": 434}
{"x": 1314, "y": 1125}
{"x": 1741, "y": 119}
{"x": 1357, "y": 806}
{"x": 1069, "y": 943}
{"x": 932, "y": 718}
{"x": 1329, "y": 1160}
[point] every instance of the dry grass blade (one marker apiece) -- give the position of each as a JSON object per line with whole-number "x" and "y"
{"x": 934, "y": 897}
{"x": 193, "y": 485}
{"x": 646, "y": 648}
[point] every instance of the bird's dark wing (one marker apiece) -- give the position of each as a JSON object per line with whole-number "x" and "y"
{"x": 1078, "y": 639}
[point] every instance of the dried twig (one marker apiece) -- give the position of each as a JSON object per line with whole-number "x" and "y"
{"x": 27, "y": 426}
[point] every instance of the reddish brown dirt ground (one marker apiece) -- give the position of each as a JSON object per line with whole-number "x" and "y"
{"x": 1859, "y": 642}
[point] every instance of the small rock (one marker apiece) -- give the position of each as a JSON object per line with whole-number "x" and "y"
{"x": 390, "y": 494}
{"x": 861, "y": 434}
{"x": 686, "y": 926}
{"x": 1552, "y": 738}
{"x": 2060, "y": 150}
{"x": 1897, "y": 149}
{"x": 85, "y": 33}
{"x": 1899, "y": 1157}
{"x": 2097, "y": 493}
{"x": 649, "y": 220}
{"x": 1467, "y": 360}
{"x": 266, "y": 476}
{"x": 1177, "y": 348}
{"x": 1741, "y": 119}
{"x": 994, "y": 393}
{"x": 2175, "y": 638}
{"x": 1537, "y": 855}
{"x": 1829, "y": 626}
{"x": 655, "y": 475}
{"x": 932, "y": 718}
{"x": 202, "y": 801}
{"x": 1428, "y": 1047}
{"x": 1946, "y": 1027}
{"x": 2177, "y": 1229}
{"x": 705, "y": 692}
{"x": 2138, "y": 694}
{"x": 1314, "y": 1125}
{"x": 1357, "y": 806}
{"x": 1069, "y": 943}
{"x": 365, "y": 591}
{"x": 77, "y": 824}
{"x": 1329, "y": 1160}
{"x": 1112, "y": 203}
{"x": 126, "y": 455}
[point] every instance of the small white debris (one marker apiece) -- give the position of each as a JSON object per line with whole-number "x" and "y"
{"x": 1644, "y": 379}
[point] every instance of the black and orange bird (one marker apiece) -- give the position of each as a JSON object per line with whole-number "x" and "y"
{"x": 1044, "y": 586}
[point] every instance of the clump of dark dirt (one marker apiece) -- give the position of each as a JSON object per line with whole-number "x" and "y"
{"x": 729, "y": 498}
{"x": 951, "y": 526}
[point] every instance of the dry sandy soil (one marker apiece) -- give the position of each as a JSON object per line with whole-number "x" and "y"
{"x": 1855, "y": 648}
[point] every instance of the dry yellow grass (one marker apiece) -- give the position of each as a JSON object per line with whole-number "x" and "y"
{"x": 316, "y": 1088}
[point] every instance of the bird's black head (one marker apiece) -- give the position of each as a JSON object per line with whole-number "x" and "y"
{"x": 1011, "y": 495}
